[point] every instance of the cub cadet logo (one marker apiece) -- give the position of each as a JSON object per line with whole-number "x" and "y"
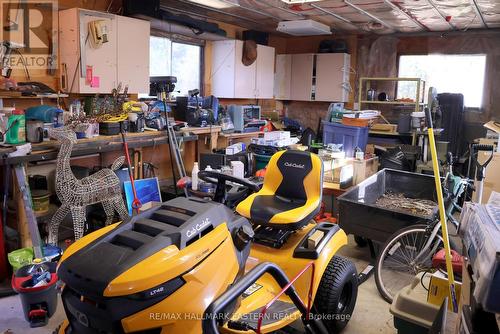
{"x": 294, "y": 165}
{"x": 198, "y": 227}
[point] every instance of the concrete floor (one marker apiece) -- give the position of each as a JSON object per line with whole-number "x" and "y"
{"x": 371, "y": 315}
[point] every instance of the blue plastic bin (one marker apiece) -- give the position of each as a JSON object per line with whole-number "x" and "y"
{"x": 350, "y": 136}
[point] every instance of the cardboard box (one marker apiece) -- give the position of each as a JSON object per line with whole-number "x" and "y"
{"x": 438, "y": 290}
{"x": 339, "y": 171}
{"x": 277, "y": 135}
{"x": 389, "y": 128}
{"x": 364, "y": 169}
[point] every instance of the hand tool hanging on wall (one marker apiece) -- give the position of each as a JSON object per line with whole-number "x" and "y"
{"x": 442, "y": 211}
{"x": 98, "y": 32}
{"x": 136, "y": 203}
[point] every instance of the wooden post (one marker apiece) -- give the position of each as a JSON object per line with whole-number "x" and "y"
{"x": 22, "y": 221}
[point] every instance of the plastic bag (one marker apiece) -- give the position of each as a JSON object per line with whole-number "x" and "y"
{"x": 20, "y": 257}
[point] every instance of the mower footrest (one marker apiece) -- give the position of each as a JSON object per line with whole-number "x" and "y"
{"x": 271, "y": 237}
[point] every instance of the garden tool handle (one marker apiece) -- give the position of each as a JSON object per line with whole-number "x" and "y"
{"x": 483, "y": 147}
{"x": 428, "y": 117}
{"x": 136, "y": 203}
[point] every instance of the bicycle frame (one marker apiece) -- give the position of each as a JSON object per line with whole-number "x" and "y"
{"x": 453, "y": 197}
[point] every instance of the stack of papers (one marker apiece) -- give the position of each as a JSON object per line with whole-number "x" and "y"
{"x": 365, "y": 114}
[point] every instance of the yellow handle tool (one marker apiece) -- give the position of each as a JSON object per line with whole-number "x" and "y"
{"x": 442, "y": 212}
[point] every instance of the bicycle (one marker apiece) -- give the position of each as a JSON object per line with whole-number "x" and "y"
{"x": 410, "y": 250}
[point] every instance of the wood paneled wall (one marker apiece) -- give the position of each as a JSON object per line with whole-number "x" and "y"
{"x": 53, "y": 80}
{"x": 464, "y": 42}
{"x": 374, "y": 51}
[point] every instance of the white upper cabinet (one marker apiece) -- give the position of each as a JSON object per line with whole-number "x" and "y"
{"x": 98, "y": 69}
{"x": 231, "y": 79}
{"x": 282, "y": 77}
{"x": 313, "y": 77}
{"x": 332, "y": 77}
{"x": 133, "y": 67}
{"x": 302, "y": 77}
{"x": 264, "y": 78}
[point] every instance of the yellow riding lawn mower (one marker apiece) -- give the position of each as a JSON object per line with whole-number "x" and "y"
{"x": 195, "y": 266}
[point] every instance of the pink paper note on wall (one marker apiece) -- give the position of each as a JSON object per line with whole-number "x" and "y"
{"x": 95, "y": 82}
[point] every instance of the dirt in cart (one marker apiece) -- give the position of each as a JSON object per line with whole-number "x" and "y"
{"x": 398, "y": 201}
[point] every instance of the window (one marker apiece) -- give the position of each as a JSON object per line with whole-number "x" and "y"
{"x": 447, "y": 73}
{"x": 177, "y": 59}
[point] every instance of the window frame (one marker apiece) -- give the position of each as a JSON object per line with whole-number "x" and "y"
{"x": 479, "y": 109}
{"x": 200, "y": 43}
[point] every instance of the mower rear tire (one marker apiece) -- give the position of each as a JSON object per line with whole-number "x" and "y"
{"x": 337, "y": 293}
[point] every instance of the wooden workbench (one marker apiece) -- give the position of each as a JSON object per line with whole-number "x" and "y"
{"x": 48, "y": 150}
{"x": 212, "y": 138}
{"x": 334, "y": 190}
{"x": 208, "y": 137}
{"x": 226, "y": 139}
{"x": 100, "y": 151}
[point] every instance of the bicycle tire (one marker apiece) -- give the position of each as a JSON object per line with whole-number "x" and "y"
{"x": 382, "y": 286}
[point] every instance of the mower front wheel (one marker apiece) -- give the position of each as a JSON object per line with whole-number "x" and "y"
{"x": 336, "y": 295}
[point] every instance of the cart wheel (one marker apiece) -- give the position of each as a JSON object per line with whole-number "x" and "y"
{"x": 337, "y": 293}
{"x": 360, "y": 241}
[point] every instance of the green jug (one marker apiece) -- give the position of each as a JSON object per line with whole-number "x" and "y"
{"x": 16, "y": 133}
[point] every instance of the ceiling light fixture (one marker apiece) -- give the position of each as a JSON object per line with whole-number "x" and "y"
{"x": 303, "y": 28}
{"x": 219, "y": 4}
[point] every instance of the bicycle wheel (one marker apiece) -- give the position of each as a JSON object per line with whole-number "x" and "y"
{"x": 396, "y": 264}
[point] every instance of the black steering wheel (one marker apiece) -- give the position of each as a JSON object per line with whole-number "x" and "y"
{"x": 220, "y": 179}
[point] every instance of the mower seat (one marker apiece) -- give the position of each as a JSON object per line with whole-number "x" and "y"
{"x": 291, "y": 193}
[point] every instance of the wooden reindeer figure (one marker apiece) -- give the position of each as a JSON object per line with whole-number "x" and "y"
{"x": 74, "y": 194}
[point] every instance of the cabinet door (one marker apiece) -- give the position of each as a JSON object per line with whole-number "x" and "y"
{"x": 302, "y": 77}
{"x": 264, "y": 76}
{"x": 101, "y": 60}
{"x": 244, "y": 76}
{"x": 222, "y": 70}
{"x": 282, "y": 77}
{"x": 133, "y": 54}
{"x": 332, "y": 77}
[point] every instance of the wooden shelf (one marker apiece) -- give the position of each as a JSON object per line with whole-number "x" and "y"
{"x": 420, "y": 92}
{"x": 234, "y": 135}
{"x": 390, "y": 79}
{"x": 387, "y": 133}
{"x": 39, "y": 96}
{"x": 392, "y": 102}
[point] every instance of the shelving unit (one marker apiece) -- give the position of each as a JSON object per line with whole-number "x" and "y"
{"x": 390, "y": 102}
{"x": 365, "y": 84}
{"x": 18, "y": 95}
{"x": 39, "y": 96}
